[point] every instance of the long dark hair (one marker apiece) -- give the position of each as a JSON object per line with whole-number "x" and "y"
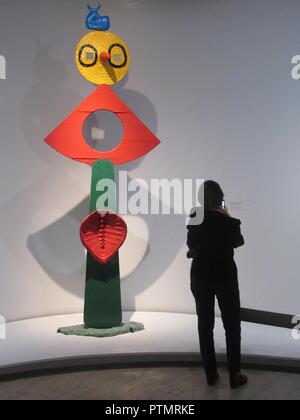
{"x": 213, "y": 195}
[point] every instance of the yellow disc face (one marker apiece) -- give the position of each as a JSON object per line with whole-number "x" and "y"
{"x": 102, "y": 58}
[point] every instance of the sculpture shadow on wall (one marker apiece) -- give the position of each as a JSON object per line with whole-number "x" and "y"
{"x": 56, "y": 247}
{"x": 42, "y": 107}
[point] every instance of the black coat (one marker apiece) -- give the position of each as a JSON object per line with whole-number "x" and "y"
{"x": 214, "y": 274}
{"x": 215, "y": 239}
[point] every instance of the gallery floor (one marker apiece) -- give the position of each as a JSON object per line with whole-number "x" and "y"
{"x": 127, "y": 366}
{"x": 150, "y": 384}
{"x": 35, "y": 343}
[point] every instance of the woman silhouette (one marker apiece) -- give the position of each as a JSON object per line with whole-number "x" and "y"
{"x": 214, "y": 274}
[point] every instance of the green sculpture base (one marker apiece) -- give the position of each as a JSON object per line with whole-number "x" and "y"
{"x": 102, "y": 305}
{"x": 81, "y": 331}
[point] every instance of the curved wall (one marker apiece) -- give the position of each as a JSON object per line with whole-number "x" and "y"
{"x": 213, "y": 80}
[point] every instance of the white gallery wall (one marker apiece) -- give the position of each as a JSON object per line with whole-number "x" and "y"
{"x": 212, "y": 78}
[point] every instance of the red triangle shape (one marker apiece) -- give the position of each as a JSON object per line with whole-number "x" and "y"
{"x": 68, "y": 138}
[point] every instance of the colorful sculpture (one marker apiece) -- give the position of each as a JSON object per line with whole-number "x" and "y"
{"x": 102, "y": 58}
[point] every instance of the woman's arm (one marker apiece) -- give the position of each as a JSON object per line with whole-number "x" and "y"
{"x": 191, "y": 242}
{"x": 237, "y": 238}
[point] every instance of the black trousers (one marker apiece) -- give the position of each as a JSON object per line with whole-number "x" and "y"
{"x": 210, "y": 280}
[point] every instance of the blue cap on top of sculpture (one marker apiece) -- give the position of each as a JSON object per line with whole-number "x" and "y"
{"x": 95, "y": 21}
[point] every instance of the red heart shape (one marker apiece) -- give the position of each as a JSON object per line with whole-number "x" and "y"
{"x": 103, "y": 234}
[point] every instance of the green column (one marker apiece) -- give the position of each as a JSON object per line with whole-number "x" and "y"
{"x": 102, "y": 307}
